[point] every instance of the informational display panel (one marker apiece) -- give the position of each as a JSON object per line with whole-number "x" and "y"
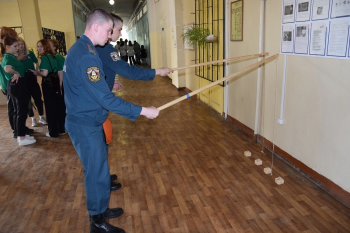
{"x": 316, "y": 28}
{"x": 237, "y": 20}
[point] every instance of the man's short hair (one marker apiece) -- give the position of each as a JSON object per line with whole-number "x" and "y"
{"x": 99, "y": 16}
{"x": 116, "y": 18}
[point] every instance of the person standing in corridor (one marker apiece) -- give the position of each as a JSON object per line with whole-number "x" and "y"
{"x": 88, "y": 101}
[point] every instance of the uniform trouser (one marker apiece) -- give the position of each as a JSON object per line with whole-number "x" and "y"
{"x": 90, "y": 145}
{"x": 20, "y": 100}
{"x": 35, "y": 92}
{"x": 51, "y": 101}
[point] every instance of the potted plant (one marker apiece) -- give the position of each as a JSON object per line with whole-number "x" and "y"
{"x": 197, "y": 36}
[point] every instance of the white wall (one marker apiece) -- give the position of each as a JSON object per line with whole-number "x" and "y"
{"x": 170, "y": 15}
{"x": 317, "y": 106}
{"x": 242, "y": 90}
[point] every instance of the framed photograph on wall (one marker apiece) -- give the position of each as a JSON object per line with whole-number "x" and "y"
{"x": 237, "y": 20}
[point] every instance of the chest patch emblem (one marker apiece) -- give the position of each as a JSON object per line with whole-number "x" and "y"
{"x": 93, "y": 73}
{"x": 114, "y": 56}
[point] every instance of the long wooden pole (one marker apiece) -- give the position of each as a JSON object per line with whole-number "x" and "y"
{"x": 224, "y": 60}
{"x": 217, "y": 82}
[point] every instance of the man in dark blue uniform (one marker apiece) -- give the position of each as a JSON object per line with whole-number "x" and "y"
{"x": 88, "y": 100}
{"x": 112, "y": 64}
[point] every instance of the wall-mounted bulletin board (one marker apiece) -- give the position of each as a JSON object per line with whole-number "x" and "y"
{"x": 316, "y": 28}
{"x": 237, "y": 20}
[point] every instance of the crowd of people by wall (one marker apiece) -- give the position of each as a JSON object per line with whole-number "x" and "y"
{"x": 134, "y": 52}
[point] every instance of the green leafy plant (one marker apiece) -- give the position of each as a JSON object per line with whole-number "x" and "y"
{"x": 196, "y": 35}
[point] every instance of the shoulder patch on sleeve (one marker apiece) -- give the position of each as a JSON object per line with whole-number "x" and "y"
{"x": 114, "y": 56}
{"x": 93, "y": 73}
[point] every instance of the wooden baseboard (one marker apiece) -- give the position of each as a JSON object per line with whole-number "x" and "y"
{"x": 243, "y": 128}
{"x": 324, "y": 183}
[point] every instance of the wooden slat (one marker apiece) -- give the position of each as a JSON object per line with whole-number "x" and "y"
{"x": 249, "y": 68}
{"x": 223, "y": 60}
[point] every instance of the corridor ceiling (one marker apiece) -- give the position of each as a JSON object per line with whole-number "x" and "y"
{"x": 123, "y": 8}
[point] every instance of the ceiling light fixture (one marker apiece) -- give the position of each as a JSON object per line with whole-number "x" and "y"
{"x": 111, "y": 2}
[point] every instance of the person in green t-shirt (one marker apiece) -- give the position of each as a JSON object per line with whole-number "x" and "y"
{"x": 17, "y": 87}
{"x": 3, "y": 81}
{"x": 9, "y": 32}
{"x": 33, "y": 86}
{"x": 62, "y": 107}
{"x": 48, "y": 63}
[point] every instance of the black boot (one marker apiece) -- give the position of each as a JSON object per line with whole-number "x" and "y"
{"x": 113, "y": 213}
{"x": 114, "y": 177}
{"x": 99, "y": 224}
{"x": 115, "y": 186}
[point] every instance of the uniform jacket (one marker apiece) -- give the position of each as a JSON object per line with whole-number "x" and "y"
{"x": 113, "y": 65}
{"x": 87, "y": 95}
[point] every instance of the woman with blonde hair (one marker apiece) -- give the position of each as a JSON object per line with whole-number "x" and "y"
{"x": 32, "y": 83}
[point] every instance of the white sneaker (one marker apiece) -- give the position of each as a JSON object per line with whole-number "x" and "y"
{"x": 48, "y": 135}
{"x": 34, "y": 123}
{"x": 62, "y": 133}
{"x": 42, "y": 121}
{"x": 27, "y": 136}
{"x": 26, "y": 141}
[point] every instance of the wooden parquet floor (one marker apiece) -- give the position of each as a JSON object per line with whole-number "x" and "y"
{"x": 182, "y": 172}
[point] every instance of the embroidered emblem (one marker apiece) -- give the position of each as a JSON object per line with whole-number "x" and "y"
{"x": 114, "y": 56}
{"x": 91, "y": 50}
{"x": 93, "y": 73}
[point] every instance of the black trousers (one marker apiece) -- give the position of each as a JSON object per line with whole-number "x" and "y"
{"x": 52, "y": 103}
{"x": 9, "y": 108}
{"x": 131, "y": 60}
{"x": 62, "y": 113}
{"x": 19, "y": 95}
{"x": 35, "y": 92}
{"x": 125, "y": 58}
{"x": 138, "y": 58}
